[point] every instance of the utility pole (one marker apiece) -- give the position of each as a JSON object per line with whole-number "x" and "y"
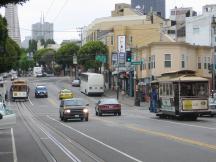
{"x": 213, "y": 29}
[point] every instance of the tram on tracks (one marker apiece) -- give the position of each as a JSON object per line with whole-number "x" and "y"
{"x": 180, "y": 95}
{"x": 19, "y": 90}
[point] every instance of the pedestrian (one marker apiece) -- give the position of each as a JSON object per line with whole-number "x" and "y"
{"x": 6, "y": 95}
{"x": 154, "y": 100}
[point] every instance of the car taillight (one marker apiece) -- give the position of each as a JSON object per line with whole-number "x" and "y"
{"x": 117, "y": 106}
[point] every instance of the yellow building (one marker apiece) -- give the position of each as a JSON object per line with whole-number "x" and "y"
{"x": 166, "y": 57}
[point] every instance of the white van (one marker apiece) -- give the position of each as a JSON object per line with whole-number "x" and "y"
{"x": 92, "y": 83}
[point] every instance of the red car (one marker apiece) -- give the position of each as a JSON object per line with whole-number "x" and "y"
{"x": 108, "y": 106}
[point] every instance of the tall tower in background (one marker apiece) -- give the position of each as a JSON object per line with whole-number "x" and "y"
{"x": 11, "y": 15}
{"x": 42, "y": 30}
{"x": 146, "y": 5}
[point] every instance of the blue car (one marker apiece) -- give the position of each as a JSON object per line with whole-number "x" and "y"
{"x": 41, "y": 91}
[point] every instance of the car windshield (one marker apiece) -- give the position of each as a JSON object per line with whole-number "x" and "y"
{"x": 65, "y": 91}
{"x": 74, "y": 102}
{"x": 109, "y": 101}
{"x": 41, "y": 88}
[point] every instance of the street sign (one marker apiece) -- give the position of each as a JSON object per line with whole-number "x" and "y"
{"x": 101, "y": 58}
{"x": 121, "y": 57}
{"x": 136, "y": 63}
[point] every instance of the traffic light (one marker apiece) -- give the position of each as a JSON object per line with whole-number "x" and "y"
{"x": 128, "y": 56}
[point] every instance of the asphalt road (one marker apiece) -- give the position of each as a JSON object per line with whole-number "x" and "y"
{"x": 137, "y": 135}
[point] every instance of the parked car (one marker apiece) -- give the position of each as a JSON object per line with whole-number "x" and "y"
{"x": 212, "y": 106}
{"x": 13, "y": 77}
{"x": 76, "y": 83}
{"x": 73, "y": 108}
{"x": 41, "y": 91}
{"x": 1, "y": 82}
{"x": 108, "y": 105}
{"x": 7, "y": 117}
{"x": 65, "y": 94}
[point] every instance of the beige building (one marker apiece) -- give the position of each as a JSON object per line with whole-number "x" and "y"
{"x": 164, "y": 57}
{"x": 138, "y": 29}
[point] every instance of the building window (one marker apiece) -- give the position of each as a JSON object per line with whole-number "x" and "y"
{"x": 149, "y": 63}
{"x": 167, "y": 62}
{"x": 207, "y": 62}
{"x": 199, "y": 64}
{"x": 214, "y": 30}
{"x": 153, "y": 61}
{"x": 196, "y": 30}
{"x": 183, "y": 61}
{"x": 112, "y": 40}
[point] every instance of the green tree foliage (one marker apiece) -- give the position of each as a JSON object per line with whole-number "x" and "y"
{"x": 25, "y": 63}
{"x": 10, "y": 57}
{"x": 89, "y": 51}
{"x": 44, "y": 57}
{"x": 4, "y": 2}
{"x": 32, "y": 46}
{"x": 64, "y": 55}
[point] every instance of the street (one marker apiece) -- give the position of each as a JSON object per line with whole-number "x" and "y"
{"x": 136, "y": 135}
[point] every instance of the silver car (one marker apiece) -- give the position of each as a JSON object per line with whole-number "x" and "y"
{"x": 212, "y": 105}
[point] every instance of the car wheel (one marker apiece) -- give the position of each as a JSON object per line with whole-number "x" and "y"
{"x": 96, "y": 113}
{"x": 60, "y": 117}
{"x": 86, "y": 118}
{"x": 46, "y": 96}
{"x": 100, "y": 113}
{"x": 64, "y": 119}
{"x": 119, "y": 113}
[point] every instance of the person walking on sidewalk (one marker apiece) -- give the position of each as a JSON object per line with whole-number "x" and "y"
{"x": 153, "y": 103}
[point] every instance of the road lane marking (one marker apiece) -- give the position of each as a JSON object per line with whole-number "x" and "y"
{"x": 52, "y": 102}
{"x": 172, "y": 137}
{"x": 60, "y": 145}
{"x": 182, "y": 124}
{"x": 94, "y": 139}
{"x": 13, "y": 146}
{"x": 30, "y": 101}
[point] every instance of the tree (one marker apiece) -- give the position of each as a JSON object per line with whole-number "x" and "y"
{"x": 45, "y": 57}
{"x": 5, "y": 2}
{"x": 89, "y": 51}
{"x": 25, "y": 63}
{"x": 32, "y": 46}
{"x": 64, "y": 55}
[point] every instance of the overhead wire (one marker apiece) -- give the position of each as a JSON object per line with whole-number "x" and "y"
{"x": 50, "y": 6}
{"x": 66, "y": 1}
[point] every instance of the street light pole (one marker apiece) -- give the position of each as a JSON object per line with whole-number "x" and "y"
{"x": 213, "y": 29}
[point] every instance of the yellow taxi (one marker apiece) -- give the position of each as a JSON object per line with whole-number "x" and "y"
{"x": 65, "y": 94}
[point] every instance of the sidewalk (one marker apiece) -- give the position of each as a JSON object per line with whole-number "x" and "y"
{"x": 127, "y": 100}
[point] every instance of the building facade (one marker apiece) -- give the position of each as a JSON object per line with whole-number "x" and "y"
{"x": 178, "y": 16}
{"x": 166, "y": 57}
{"x": 11, "y": 15}
{"x": 42, "y": 30}
{"x": 199, "y": 30}
{"x": 146, "y": 6}
{"x": 135, "y": 29}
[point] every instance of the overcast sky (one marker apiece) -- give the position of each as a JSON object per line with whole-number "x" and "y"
{"x": 68, "y": 15}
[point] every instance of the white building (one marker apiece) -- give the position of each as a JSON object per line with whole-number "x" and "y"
{"x": 11, "y": 15}
{"x": 199, "y": 30}
{"x": 177, "y": 18}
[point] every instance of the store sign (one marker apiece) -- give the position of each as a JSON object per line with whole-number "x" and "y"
{"x": 121, "y": 58}
{"x": 195, "y": 105}
{"x": 121, "y": 44}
